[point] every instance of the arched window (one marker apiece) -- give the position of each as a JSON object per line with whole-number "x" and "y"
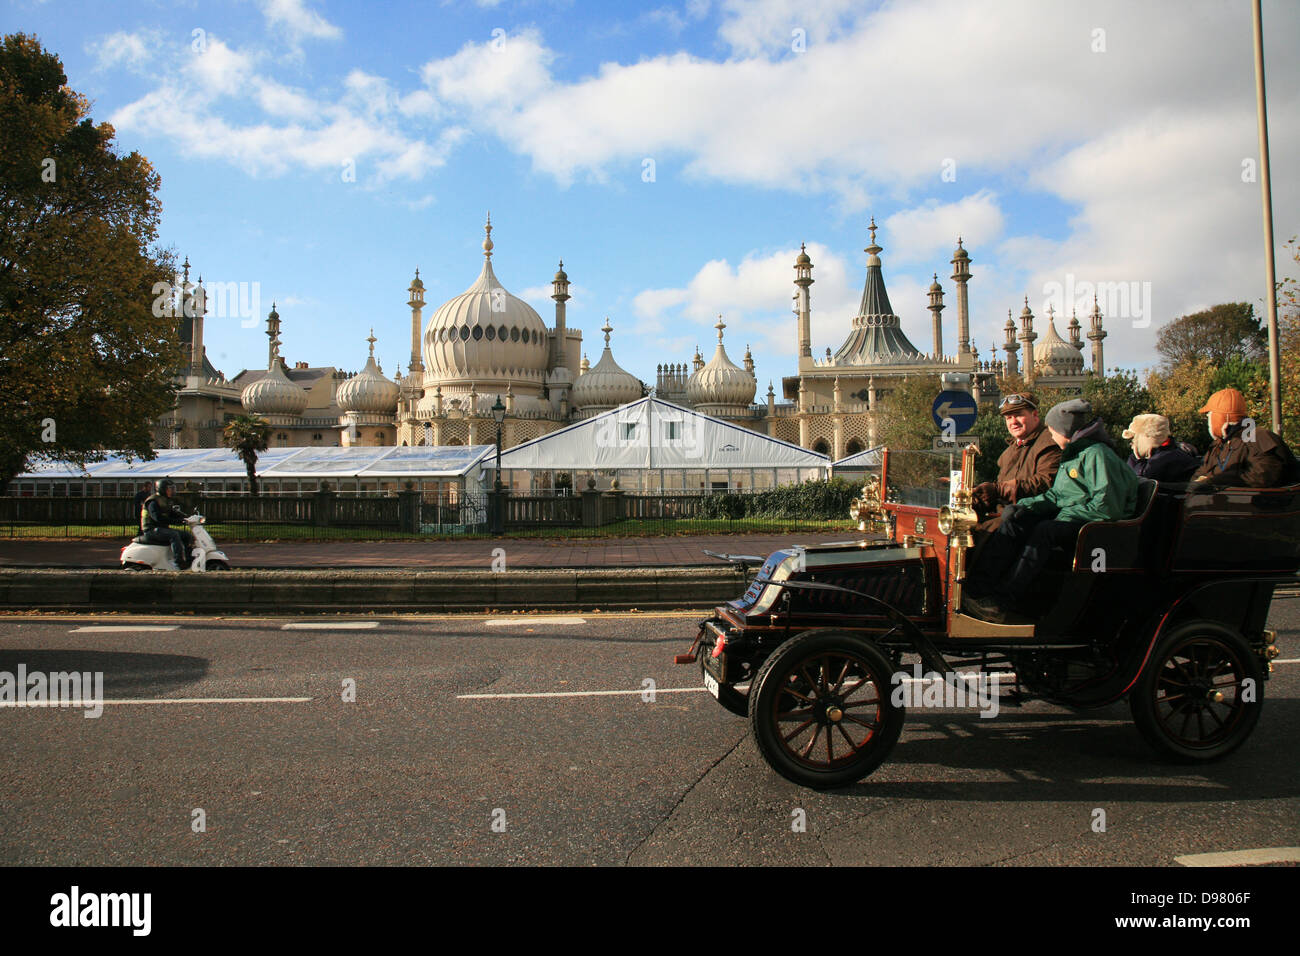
{"x": 853, "y": 447}
{"x": 821, "y": 447}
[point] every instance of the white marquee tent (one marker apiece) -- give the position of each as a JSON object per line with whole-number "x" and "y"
{"x": 361, "y": 469}
{"x": 651, "y": 445}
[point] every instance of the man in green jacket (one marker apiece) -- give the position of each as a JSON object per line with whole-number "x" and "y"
{"x": 1092, "y": 484}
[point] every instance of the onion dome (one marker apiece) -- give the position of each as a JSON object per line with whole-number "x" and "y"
{"x": 720, "y": 387}
{"x": 485, "y": 334}
{"x": 368, "y": 392}
{"x": 605, "y": 385}
{"x": 802, "y": 259}
{"x": 1055, "y": 356}
{"x": 934, "y": 286}
{"x": 274, "y": 394}
{"x": 561, "y": 275}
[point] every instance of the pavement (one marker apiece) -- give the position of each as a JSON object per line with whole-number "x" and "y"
{"x": 477, "y": 553}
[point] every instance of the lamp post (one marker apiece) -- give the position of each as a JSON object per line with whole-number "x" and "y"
{"x": 499, "y": 416}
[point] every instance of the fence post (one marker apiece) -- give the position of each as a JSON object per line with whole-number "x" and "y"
{"x": 591, "y": 506}
{"x": 408, "y": 509}
{"x": 323, "y": 506}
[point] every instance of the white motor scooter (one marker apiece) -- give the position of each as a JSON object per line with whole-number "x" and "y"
{"x": 158, "y": 557}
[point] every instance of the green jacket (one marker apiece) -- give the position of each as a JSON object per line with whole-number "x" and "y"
{"x": 1093, "y": 483}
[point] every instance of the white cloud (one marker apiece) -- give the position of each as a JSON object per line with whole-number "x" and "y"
{"x": 298, "y": 22}
{"x": 136, "y": 50}
{"x": 929, "y": 232}
{"x": 280, "y": 128}
{"x": 751, "y": 27}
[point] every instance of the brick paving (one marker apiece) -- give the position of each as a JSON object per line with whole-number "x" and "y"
{"x": 681, "y": 551}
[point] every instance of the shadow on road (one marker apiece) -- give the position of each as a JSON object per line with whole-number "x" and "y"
{"x": 126, "y": 674}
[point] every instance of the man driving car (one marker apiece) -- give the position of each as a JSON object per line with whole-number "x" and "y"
{"x": 1026, "y": 468}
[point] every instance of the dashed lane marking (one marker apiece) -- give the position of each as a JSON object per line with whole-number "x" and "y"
{"x": 1263, "y": 855}
{"x": 586, "y": 693}
{"x": 120, "y": 628}
{"x": 329, "y": 626}
{"x": 510, "y": 621}
{"x": 157, "y": 700}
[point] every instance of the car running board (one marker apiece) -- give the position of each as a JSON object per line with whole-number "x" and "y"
{"x": 963, "y": 625}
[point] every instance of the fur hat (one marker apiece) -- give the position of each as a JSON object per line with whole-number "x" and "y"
{"x": 1225, "y": 407}
{"x": 1147, "y": 432}
{"x": 1069, "y": 417}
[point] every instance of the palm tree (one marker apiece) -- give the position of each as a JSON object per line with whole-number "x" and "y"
{"x": 246, "y": 435}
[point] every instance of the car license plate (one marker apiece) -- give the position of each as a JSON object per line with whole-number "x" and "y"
{"x": 711, "y": 683}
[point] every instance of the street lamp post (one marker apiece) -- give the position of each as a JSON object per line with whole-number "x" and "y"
{"x": 499, "y": 415}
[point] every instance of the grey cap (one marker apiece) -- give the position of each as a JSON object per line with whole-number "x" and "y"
{"x": 1068, "y": 417}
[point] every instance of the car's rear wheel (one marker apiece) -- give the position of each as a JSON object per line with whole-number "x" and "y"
{"x": 217, "y": 565}
{"x": 1200, "y": 695}
{"x": 821, "y": 709}
{"x": 135, "y": 566}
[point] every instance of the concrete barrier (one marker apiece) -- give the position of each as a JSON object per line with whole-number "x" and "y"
{"x": 329, "y": 591}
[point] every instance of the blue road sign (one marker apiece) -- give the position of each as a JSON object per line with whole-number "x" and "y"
{"x": 958, "y": 406}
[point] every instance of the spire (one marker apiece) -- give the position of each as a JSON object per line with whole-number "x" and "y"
{"x": 372, "y": 340}
{"x": 607, "y": 328}
{"x": 487, "y": 241}
{"x": 720, "y": 325}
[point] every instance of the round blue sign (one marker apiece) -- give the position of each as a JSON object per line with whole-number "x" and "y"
{"x": 957, "y": 407}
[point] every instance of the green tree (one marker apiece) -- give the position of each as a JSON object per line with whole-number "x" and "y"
{"x": 247, "y": 435}
{"x": 85, "y": 364}
{"x": 1179, "y": 393}
{"x": 1217, "y": 334}
{"x": 1116, "y": 399}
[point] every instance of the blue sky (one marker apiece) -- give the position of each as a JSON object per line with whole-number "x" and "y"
{"x": 317, "y": 152}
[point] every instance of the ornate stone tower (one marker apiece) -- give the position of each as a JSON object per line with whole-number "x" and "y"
{"x": 1027, "y": 336}
{"x": 936, "y": 307}
{"x": 1095, "y": 335}
{"x": 416, "y": 302}
{"x": 961, "y": 275}
{"x": 1011, "y": 347}
{"x": 803, "y": 300}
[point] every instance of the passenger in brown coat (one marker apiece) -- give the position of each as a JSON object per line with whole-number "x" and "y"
{"x": 1027, "y": 467}
{"x": 1243, "y": 455}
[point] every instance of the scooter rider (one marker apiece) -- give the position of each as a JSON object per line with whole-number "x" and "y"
{"x": 160, "y": 512}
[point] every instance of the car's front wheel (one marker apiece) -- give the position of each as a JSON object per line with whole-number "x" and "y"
{"x": 821, "y": 709}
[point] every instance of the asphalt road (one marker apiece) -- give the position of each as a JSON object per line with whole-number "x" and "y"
{"x": 414, "y": 772}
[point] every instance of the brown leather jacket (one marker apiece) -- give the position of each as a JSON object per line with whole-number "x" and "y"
{"x": 1265, "y": 462}
{"x": 1031, "y": 464}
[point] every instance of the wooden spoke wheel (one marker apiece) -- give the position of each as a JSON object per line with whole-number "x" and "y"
{"x": 1201, "y": 693}
{"x": 821, "y": 709}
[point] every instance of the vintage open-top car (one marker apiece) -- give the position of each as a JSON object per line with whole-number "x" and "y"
{"x": 1168, "y": 609}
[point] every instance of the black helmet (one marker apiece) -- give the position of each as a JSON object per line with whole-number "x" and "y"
{"x": 164, "y": 485}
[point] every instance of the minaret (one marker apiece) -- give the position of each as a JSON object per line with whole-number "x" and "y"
{"x": 272, "y": 333}
{"x": 561, "y": 295}
{"x": 936, "y": 306}
{"x": 1095, "y": 336}
{"x": 416, "y": 302}
{"x": 196, "y": 337}
{"x": 1027, "y": 336}
{"x": 699, "y": 359}
{"x": 1012, "y": 346}
{"x": 1075, "y": 340}
{"x": 961, "y": 275}
{"x": 803, "y": 300}
{"x": 749, "y": 360}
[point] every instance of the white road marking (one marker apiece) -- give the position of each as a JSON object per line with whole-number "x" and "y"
{"x": 157, "y": 700}
{"x": 329, "y": 626}
{"x": 1270, "y": 854}
{"x": 508, "y": 621}
{"x": 584, "y": 693}
{"x": 1289, "y": 660}
{"x": 115, "y": 628}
